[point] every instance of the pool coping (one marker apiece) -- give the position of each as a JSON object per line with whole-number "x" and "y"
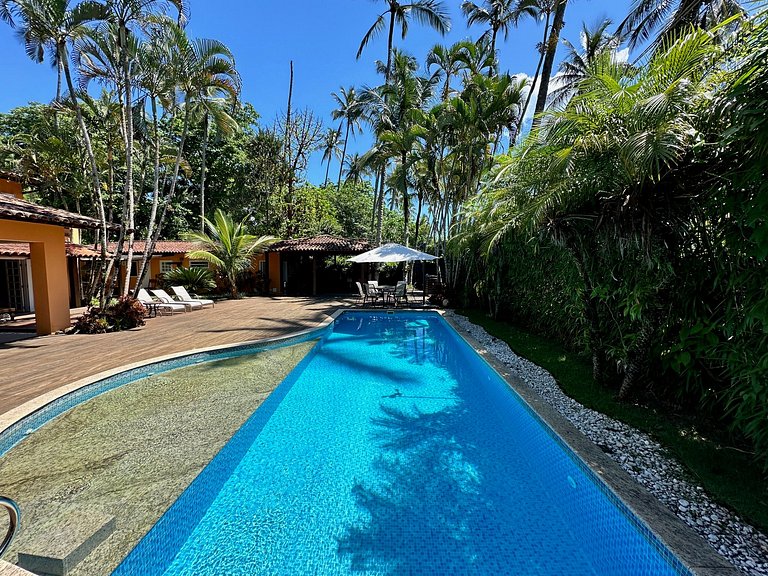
{"x": 19, "y": 413}
{"x": 692, "y": 550}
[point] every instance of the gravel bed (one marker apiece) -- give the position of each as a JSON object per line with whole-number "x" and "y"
{"x": 644, "y": 459}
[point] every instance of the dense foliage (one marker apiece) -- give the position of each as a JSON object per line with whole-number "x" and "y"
{"x": 638, "y": 210}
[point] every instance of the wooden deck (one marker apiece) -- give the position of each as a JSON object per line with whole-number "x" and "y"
{"x": 29, "y": 368}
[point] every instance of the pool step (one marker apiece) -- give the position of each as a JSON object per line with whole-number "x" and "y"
{"x": 63, "y": 548}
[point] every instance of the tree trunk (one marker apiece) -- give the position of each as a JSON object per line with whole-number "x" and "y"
{"x": 343, "y": 155}
{"x": 96, "y": 178}
{"x": 406, "y": 214}
{"x": 549, "y": 59}
{"x": 388, "y": 71}
{"x": 533, "y": 83}
{"x": 172, "y": 192}
{"x": 123, "y": 35}
{"x": 155, "y": 198}
{"x": 638, "y": 356}
{"x": 291, "y": 175}
{"x": 592, "y": 316}
{"x": 206, "y": 124}
{"x": 327, "y": 170}
{"x": 492, "y": 70}
{"x": 380, "y": 208}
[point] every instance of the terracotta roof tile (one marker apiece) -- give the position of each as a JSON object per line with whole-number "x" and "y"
{"x": 162, "y": 247}
{"x": 22, "y": 249}
{"x": 12, "y": 208}
{"x": 324, "y": 243}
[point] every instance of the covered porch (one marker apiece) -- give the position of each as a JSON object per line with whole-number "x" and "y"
{"x": 43, "y": 232}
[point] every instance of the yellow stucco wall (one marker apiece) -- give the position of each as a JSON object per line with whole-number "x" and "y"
{"x": 49, "y": 271}
{"x": 274, "y": 273}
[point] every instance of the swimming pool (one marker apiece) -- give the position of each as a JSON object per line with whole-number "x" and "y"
{"x": 393, "y": 448}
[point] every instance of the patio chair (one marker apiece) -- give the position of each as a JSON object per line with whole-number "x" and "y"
{"x": 182, "y": 293}
{"x": 144, "y": 297}
{"x": 400, "y": 293}
{"x": 375, "y": 293}
{"x": 166, "y": 298}
{"x": 362, "y": 297}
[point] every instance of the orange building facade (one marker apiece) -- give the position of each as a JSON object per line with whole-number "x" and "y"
{"x": 44, "y": 230}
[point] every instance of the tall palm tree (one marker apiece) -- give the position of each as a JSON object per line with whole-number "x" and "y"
{"x": 667, "y": 19}
{"x": 499, "y": 15}
{"x": 127, "y": 15}
{"x": 594, "y": 43}
{"x": 348, "y": 111}
{"x": 203, "y": 69}
{"x": 330, "y": 149}
{"x": 52, "y": 25}
{"x": 228, "y": 246}
{"x": 448, "y": 62}
{"x": 429, "y": 12}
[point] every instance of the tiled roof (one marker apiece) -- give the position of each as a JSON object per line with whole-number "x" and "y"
{"x": 22, "y": 249}
{"x": 326, "y": 243}
{"x": 161, "y": 247}
{"x": 12, "y": 208}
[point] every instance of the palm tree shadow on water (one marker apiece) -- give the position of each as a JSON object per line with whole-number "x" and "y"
{"x": 431, "y": 505}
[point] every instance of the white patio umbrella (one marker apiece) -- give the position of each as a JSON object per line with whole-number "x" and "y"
{"x": 392, "y": 253}
{"x": 395, "y": 253}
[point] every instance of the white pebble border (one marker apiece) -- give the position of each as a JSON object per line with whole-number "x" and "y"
{"x": 644, "y": 459}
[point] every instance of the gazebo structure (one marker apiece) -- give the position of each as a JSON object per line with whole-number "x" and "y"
{"x": 310, "y": 266}
{"x": 43, "y": 231}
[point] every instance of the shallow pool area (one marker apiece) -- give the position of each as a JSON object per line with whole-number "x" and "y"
{"x": 127, "y": 452}
{"x": 393, "y": 448}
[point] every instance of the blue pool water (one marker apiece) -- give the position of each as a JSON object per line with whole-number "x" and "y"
{"x": 394, "y": 449}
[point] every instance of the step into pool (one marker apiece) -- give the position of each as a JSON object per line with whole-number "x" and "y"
{"x": 393, "y": 448}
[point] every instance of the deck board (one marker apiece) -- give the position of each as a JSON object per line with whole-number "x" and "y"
{"x": 29, "y": 368}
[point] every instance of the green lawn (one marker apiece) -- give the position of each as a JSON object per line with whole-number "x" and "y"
{"x": 726, "y": 473}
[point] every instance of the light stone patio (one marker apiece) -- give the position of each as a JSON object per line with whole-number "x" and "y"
{"x": 30, "y": 368}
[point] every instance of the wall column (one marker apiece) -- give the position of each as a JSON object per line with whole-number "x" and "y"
{"x": 49, "y": 284}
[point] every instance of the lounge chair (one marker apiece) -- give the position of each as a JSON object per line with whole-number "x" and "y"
{"x": 166, "y": 298}
{"x": 144, "y": 297}
{"x": 182, "y": 293}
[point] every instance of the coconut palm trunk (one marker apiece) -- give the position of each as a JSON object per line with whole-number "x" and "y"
{"x": 343, "y": 153}
{"x": 549, "y": 58}
{"x": 534, "y": 81}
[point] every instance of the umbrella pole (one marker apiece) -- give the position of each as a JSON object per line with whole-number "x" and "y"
{"x": 423, "y": 285}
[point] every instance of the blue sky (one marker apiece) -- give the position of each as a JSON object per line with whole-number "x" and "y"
{"x": 320, "y": 36}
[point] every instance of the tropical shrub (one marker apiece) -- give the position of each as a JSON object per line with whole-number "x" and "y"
{"x": 228, "y": 246}
{"x": 195, "y": 280}
{"x": 119, "y": 314}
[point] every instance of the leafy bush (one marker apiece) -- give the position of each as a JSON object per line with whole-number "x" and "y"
{"x": 119, "y": 314}
{"x": 197, "y": 280}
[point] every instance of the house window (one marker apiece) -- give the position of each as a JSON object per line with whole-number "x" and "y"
{"x": 262, "y": 266}
{"x": 167, "y": 265}
{"x": 198, "y": 264}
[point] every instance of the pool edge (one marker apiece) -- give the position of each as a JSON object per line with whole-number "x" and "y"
{"x": 19, "y": 413}
{"x": 690, "y": 549}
